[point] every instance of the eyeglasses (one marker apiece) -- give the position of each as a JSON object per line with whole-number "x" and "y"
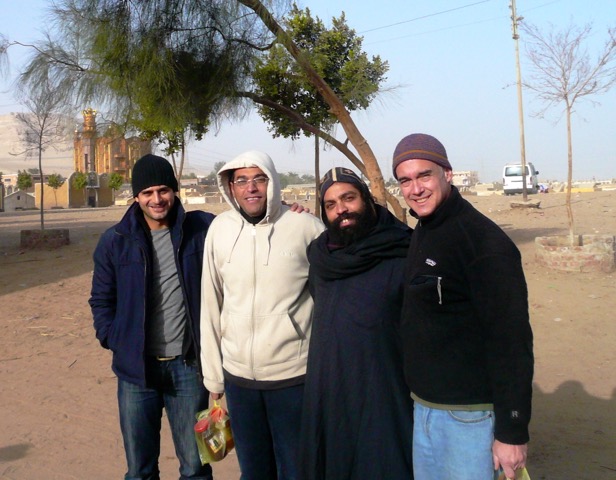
{"x": 243, "y": 182}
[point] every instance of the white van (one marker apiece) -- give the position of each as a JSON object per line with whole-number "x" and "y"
{"x": 512, "y": 178}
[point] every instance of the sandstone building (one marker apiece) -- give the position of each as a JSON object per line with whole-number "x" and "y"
{"x": 101, "y": 153}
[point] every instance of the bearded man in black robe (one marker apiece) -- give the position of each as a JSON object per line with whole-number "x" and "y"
{"x": 357, "y": 412}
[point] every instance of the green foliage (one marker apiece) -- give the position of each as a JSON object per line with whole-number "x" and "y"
{"x": 80, "y": 180}
{"x": 24, "y": 180}
{"x": 212, "y": 177}
{"x": 292, "y": 178}
{"x": 308, "y": 178}
{"x": 337, "y": 56}
{"x": 218, "y": 166}
{"x": 391, "y": 182}
{"x": 55, "y": 180}
{"x": 115, "y": 181}
{"x": 165, "y": 69}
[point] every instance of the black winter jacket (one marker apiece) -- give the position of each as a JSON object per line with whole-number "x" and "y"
{"x": 465, "y": 323}
{"x": 121, "y": 286}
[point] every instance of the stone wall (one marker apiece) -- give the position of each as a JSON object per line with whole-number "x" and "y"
{"x": 593, "y": 253}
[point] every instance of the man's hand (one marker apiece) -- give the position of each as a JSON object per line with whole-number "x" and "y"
{"x": 216, "y": 396}
{"x": 297, "y": 208}
{"x": 509, "y": 457}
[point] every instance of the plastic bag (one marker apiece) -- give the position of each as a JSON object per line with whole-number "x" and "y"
{"x": 213, "y": 434}
{"x": 520, "y": 474}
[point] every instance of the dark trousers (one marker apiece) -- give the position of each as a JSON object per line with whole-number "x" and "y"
{"x": 266, "y": 426}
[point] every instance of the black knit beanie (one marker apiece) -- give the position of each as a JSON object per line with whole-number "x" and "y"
{"x": 419, "y": 146}
{"x": 151, "y": 170}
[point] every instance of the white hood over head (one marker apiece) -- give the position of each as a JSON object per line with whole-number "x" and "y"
{"x": 250, "y": 159}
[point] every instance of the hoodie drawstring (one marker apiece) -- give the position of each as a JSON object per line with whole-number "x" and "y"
{"x": 237, "y": 237}
{"x": 270, "y": 232}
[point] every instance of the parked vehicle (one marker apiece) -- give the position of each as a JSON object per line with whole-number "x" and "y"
{"x": 513, "y": 179}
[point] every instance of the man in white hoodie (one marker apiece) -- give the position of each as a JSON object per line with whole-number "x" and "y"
{"x": 256, "y": 315}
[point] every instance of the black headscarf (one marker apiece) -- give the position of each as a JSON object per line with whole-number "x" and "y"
{"x": 389, "y": 238}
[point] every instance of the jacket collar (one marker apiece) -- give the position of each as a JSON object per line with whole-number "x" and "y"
{"x": 133, "y": 222}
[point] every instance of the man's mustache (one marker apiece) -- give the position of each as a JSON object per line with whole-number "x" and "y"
{"x": 345, "y": 216}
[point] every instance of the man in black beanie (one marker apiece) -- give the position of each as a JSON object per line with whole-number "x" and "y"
{"x": 145, "y": 301}
{"x": 357, "y": 412}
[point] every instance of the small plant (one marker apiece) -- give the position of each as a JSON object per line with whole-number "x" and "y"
{"x": 115, "y": 182}
{"x": 80, "y": 182}
{"x": 55, "y": 181}
{"x": 24, "y": 180}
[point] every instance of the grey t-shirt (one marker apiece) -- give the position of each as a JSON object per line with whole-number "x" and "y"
{"x": 165, "y": 332}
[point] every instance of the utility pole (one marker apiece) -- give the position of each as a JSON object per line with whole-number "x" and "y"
{"x": 515, "y": 19}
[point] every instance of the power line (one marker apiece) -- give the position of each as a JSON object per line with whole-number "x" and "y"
{"x": 424, "y": 16}
{"x": 415, "y": 34}
{"x": 437, "y": 30}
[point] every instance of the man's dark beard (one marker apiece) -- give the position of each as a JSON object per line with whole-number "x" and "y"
{"x": 364, "y": 222}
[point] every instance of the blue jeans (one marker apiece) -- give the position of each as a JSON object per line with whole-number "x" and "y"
{"x": 176, "y": 387}
{"x": 266, "y": 426}
{"x": 451, "y": 444}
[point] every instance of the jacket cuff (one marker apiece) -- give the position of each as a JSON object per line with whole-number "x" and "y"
{"x": 214, "y": 387}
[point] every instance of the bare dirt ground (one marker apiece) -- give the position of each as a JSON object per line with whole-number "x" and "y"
{"x": 57, "y": 396}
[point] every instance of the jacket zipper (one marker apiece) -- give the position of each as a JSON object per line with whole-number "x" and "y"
{"x": 146, "y": 288}
{"x": 252, "y": 312}
{"x": 178, "y": 265}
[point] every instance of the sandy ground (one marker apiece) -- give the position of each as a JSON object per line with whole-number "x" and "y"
{"x": 57, "y": 396}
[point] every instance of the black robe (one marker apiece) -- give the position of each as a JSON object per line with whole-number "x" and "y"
{"x": 357, "y": 416}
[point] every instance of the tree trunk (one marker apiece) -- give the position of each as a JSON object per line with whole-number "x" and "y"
{"x": 40, "y": 161}
{"x": 569, "y": 171}
{"x": 372, "y": 169}
{"x": 178, "y": 171}
{"x": 317, "y": 179}
{"x": 182, "y": 158}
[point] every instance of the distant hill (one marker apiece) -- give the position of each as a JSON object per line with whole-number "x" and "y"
{"x": 58, "y": 160}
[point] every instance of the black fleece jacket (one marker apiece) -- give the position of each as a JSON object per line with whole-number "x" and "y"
{"x": 465, "y": 324}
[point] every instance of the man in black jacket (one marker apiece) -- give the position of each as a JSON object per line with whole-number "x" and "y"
{"x": 145, "y": 302}
{"x": 465, "y": 327}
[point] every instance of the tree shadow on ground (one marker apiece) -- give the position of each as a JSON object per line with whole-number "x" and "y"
{"x": 31, "y": 267}
{"x": 527, "y": 235}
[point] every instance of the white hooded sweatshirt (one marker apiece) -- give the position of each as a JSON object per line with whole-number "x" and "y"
{"x": 255, "y": 305}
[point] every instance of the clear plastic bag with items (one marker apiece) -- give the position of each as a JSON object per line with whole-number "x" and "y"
{"x": 520, "y": 474}
{"x": 213, "y": 434}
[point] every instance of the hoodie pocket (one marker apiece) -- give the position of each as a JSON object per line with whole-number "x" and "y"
{"x": 278, "y": 339}
{"x": 261, "y": 340}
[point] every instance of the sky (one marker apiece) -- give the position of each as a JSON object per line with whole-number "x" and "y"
{"x": 452, "y": 75}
